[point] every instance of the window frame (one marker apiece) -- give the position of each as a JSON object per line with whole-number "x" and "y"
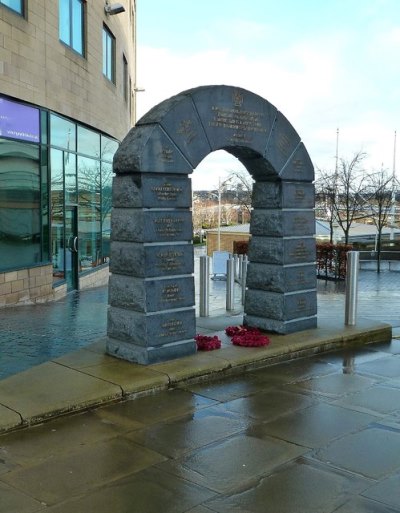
{"x": 109, "y": 53}
{"x": 68, "y": 18}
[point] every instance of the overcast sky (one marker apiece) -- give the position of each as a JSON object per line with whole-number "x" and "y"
{"x": 325, "y": 64}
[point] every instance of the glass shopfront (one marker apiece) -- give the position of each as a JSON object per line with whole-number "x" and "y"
{"x": 55, "y": 192}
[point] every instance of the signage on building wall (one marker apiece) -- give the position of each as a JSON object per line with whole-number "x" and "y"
{"x": 19, "y": 121}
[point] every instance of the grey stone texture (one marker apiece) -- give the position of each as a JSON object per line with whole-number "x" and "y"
{"x": 151, "y": 295}
{"x": 150, "y": 330}
{"x": 151, "y": 290}
{"x": 280, "y": 223}
{"x": 136, "y": 225}
{"x": 283, "y": 195}
{"x": 282, "y": 307}
{"x": 275, "y": 250}
{"x": 278, "y": 278}
{"x": 157, "y": 191}
{"x": 146, "y": 261}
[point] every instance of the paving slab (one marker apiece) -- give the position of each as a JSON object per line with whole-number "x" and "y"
{"x": 50, "y": 389}
{"x": 88, "y": 377}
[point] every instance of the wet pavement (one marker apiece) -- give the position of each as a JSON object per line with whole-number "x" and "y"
{"x": 321, "y": 434}
{"x": 31, "y": 335}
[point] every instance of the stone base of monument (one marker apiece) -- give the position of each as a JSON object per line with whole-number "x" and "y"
{"x": 281, "y": 327}
{"x": 151, "y": 337}
{"x": 148, "y": 355}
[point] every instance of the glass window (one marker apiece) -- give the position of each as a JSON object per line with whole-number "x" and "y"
{"x": 108, "y": 54}
{"x": 20, "y": 217}
{"x": 108, "y": 148}
{"x": 15, "y": 5}
{"x": 106, "y": 203}
{"x": 71, "y": 24}
{"x": 62, "y": 133}
{"x": 57, "y": 214}
{"x": 70, "y": 178}
{"x": 89, "y": 222}
{"x": 88, "y": 142}
{"x": 45, "y": 205}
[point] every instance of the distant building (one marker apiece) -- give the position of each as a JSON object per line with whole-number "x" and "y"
{"x": 67, "y": 75}
{"x": 230, "y": 234}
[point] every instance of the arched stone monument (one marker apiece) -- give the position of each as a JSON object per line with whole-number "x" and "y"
{"x": 151, "y": 316}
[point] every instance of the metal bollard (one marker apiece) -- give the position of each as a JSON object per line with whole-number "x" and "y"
{"x": 230, "y": 284}
{"x": 244, "y": 276}
{"x": 350, "y": 317}
{"x": 240, "y": 267}
{"x": 204, "y": 286}
{"x": 235, "y": 265}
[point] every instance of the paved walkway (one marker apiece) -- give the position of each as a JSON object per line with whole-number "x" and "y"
{"x": 321, "y": 434}
{"x": 31, "y": 335}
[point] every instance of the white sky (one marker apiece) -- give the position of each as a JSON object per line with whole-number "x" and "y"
{"x": 325, "y": 64}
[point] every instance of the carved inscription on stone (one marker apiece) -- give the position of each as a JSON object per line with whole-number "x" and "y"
{"x": 283, "y": 144}
{"x": 242, "y": 124}
{"x": 299, "y": 223}
{"x": 166, "y": 192}
{"x": 187, "y": 130}
{"x": 171, "y": 294}
{"x": 168, "y": 226}
{"x": 166, "y": 155}
{"x": 299, "y": 193}
{"x": 300, "y": 251}
{"x": 169, "y": 260}
{"x": 172, "y": 327}
{"x": 298, "y": 165}
{"x": 301, "y": 304}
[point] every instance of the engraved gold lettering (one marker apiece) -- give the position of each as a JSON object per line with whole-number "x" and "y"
{"x": 166, "y": 192}
{"x": 243, "y": 123}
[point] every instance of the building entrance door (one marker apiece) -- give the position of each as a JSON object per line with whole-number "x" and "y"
{"x": 71, "y": 247}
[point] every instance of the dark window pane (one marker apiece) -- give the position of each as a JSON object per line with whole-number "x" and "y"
{"x": 57, "y": 214}
{"x": 20, "y": 232}
{"x": 89, "y": 223}
{"x": 45, "y": 205}
{"x": 88, "y": 142}
{"x": 108, "y": 148}
{"x": 62, "y": 133}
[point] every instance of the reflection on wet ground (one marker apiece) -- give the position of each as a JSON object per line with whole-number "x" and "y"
{"x": 31, "y": 335}
{"x": 303, "y": 436}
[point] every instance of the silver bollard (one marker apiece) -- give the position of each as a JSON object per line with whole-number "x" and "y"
{"x": 240, "y": 267}
{"x": 230, "y": 284}
{"x": 245, "y": 261}
{"x": 204, "y": 286}
{"x": 350, "y": 317}
{"x": 235, "y": 265}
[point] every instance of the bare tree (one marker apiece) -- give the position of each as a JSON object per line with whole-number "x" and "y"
{"x": 325, "y": 198}
{"x": 344, "y": 193}
{"x": 242, "y": 183}
{"x": 380, "y": 198}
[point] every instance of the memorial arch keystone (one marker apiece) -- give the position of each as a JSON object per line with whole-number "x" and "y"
{"x": 151, "y": 316}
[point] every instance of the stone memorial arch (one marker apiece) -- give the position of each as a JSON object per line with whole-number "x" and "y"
{"x": 151, "y": 316}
